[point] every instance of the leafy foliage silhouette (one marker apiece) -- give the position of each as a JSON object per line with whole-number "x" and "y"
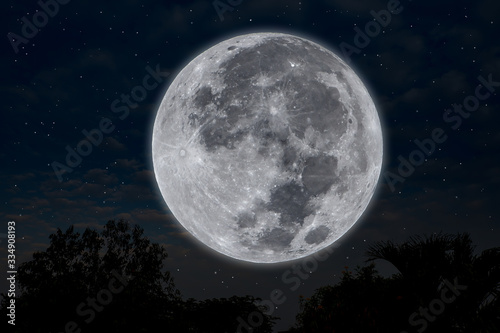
{"x": 365, "y": 301}
{"x": 76, "y": 267}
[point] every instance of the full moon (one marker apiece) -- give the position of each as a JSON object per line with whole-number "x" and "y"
{"x": 267, "y": 147}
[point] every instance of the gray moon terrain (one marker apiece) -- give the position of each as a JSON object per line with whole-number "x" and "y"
{"x": 267, "y": 147}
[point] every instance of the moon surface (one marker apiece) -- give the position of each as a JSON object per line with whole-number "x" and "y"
{"x": 267, "y": 147}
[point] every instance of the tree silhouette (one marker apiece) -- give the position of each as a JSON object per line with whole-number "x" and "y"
{"x": 424, "y": 262}
{"x": 226, "y": 315}
{"x": 408, "y": 301}
{"x": 114, "y": 281}
{"x": 75, "y": 273}
{"x": 362, "y": 301}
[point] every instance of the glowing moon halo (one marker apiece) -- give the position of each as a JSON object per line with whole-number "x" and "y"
{"x": 267, "y": 147}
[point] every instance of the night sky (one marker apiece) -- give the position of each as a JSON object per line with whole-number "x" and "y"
{"x": 420, "y": 70}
